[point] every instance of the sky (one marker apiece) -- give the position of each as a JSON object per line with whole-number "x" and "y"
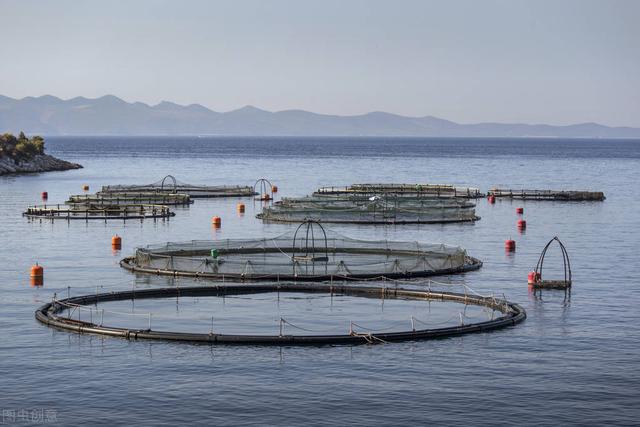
{"x": 555, "y": 62}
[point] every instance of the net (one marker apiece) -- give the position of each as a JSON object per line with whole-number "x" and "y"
{"x": 433, "y": 190}
{"x": 309, "y": 253}
{"x": 150, "y": 198}
{"x": 384, "y": 209}
{"x": 171, "y": 185}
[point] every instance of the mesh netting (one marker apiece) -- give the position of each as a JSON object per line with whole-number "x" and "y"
{"x": 562, "y": 195}
{"x": 150, "y": 198}
{"x": 171, "y": 185}
{"x": 437, "y": 190}
{"x": 383, "y": 209}
{"x": 305, "y": 255}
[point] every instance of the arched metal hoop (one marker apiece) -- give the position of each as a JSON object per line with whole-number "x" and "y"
{"x": 565, "y": 260}
{"x": 264, "y": 188}
{"x": 308, "y": 243}
{"x": 175, "y": 183}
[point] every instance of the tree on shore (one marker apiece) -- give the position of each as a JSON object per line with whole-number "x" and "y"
{"x": 20, "y": 148}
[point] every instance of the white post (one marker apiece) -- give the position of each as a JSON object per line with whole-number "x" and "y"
{"x": 413, "y": 325}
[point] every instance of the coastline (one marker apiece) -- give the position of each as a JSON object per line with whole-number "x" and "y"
{"x": 39, "y": 163}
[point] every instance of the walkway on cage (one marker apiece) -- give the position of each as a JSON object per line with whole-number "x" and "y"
{"x": 98, "y": 212}
{"x": 84, "y": 314}
{"x": 553, "y": 195}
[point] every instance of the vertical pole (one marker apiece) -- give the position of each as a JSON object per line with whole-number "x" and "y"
{"x": 413, "y": 325}
{"x": 281, "y": 320}
{"x": 211, "y": 326}
{"x": 149, "y": 321}
{"x": 102, "y": 317}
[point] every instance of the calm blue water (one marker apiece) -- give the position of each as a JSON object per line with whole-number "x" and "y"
{"x": 573, "y": 361}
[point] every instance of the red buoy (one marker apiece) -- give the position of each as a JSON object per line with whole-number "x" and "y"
{"x": 37, "y": 275}
{"x": 522, "y": 224}
{"x": 533, "y": 277}
{"x": 216, "y": 221}
{"x": 274, "y": 188}
{"x": 45, "y": 195}
{"x": 492, "y": 199}
{"x": 510, "y": 245}
{"x": 519, "y": 211}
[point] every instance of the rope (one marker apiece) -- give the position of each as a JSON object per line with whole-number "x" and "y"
{"x": 299, "y": 327}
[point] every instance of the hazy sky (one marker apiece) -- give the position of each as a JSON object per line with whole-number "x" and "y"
{"x": 527, "y": 61}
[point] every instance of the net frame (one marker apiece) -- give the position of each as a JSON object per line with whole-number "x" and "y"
{"x": 275, "y": 258}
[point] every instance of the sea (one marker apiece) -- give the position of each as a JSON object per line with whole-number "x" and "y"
{"x": 575, "y": 360}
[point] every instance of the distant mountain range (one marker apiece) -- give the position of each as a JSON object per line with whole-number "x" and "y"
{"x": 110, "y": 115}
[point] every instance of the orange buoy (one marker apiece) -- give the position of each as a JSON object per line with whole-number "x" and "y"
{"x": 240, "y": 207}
{"x": 510, "y": 245}
{"x": 519, "y": 211}
{"x": 274, "y": 188}
{"x": 522, "y": 224}
{"x": 116, "y": 242}
{"x": 85, "y": 187}
{"x": 37, "y": 275}
{"x": 45, "y": 195}
{"x": 216, "y": 221}
{"x": 492, "y": 199}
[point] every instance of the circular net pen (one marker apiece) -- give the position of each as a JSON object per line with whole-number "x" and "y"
{"x": 170, "y": 185}
{"x": 98, "y": 212}
{"x": 383, "y": 209}
{"x": 429, "y": 190}
{"x": 310, "y": 253}
{"x": 90, "y": 314}
{"x": 149, "y": 198}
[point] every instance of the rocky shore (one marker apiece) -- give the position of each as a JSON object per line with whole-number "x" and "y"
{"x": 39, "y": 163}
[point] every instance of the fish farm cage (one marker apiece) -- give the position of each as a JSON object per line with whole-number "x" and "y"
{"x": 309, "y": 253}
{"x": 554, "y": 195}
{"x": 358, "y": 209}
{"x": 147, "y": 198}
{"x": 98, "y": 212}
{"x": 412, "y": 190}
{"x": 170, "y": 185}
{"x": 85, "y": 315}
